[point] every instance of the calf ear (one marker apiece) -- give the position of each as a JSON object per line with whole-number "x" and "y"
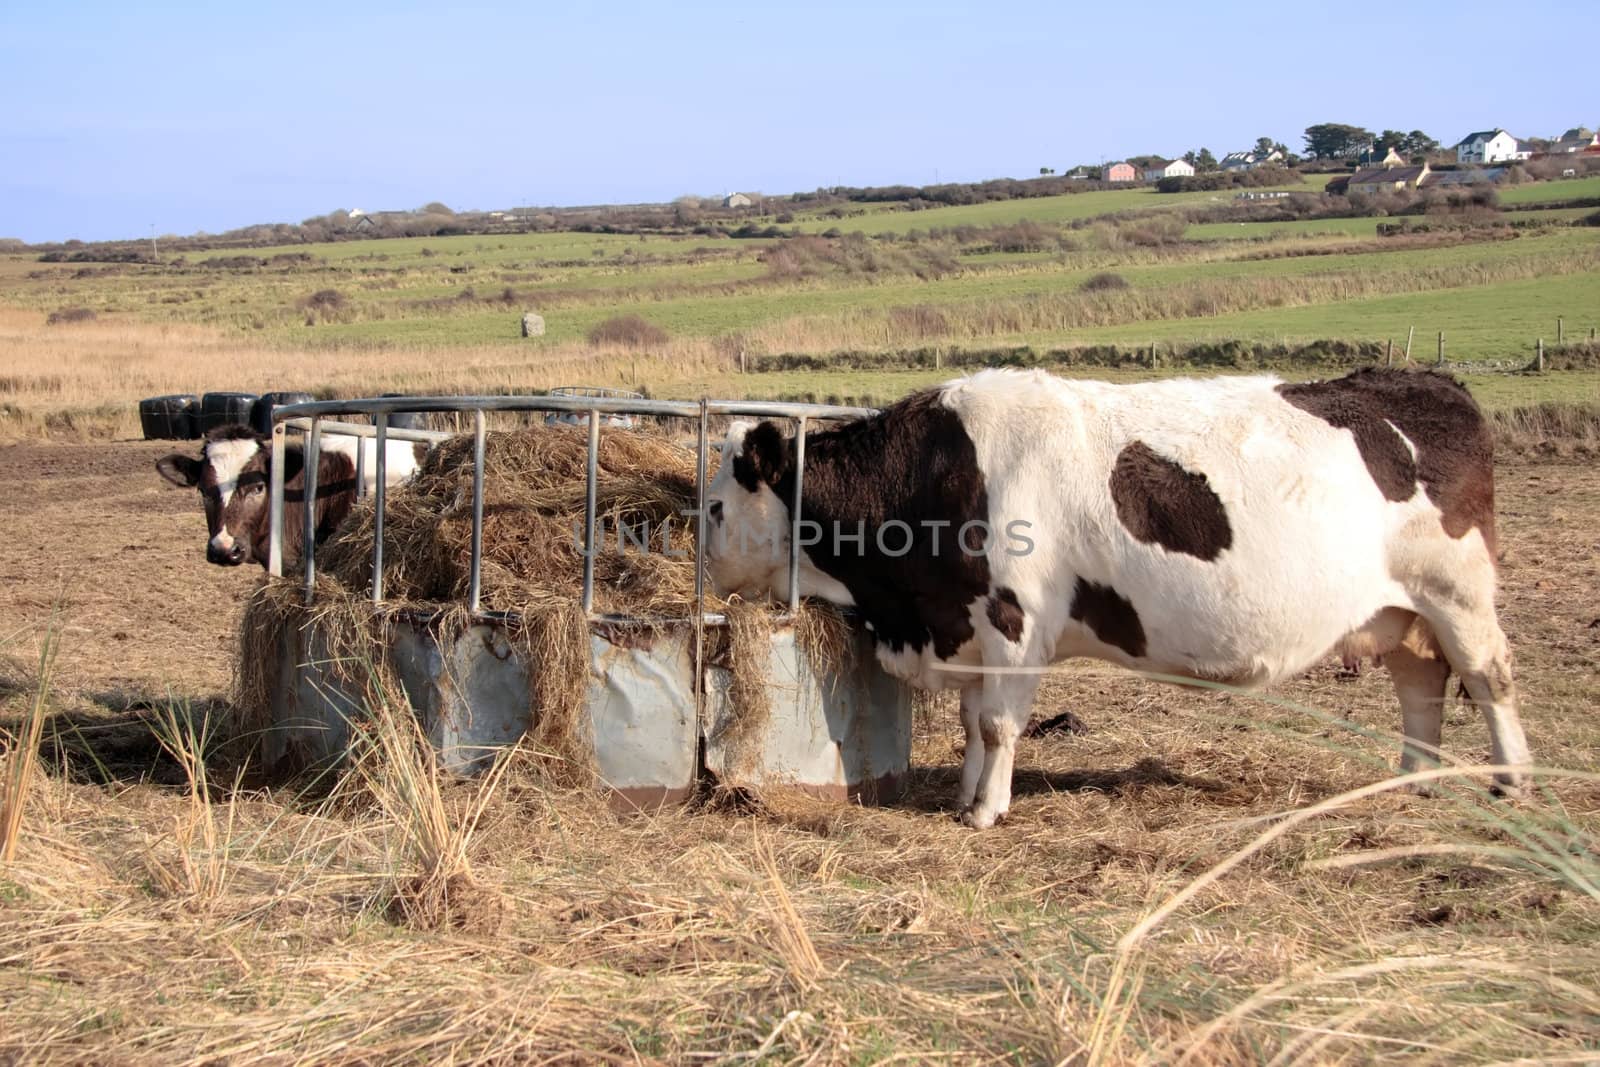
{"x": 181, "y": 470}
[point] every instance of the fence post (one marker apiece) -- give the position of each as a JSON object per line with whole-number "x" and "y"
{"x": 938, "y": 360}
{"x": 743, "y": 369}
{"x": 1441, "y": 348}
{"x": 1561, "y": 336}
{"x": 1152, "y": 355}
{"x": 1410, "y": 333}
{"x": 1388, "y": 356}
{"x": 1541, "y": 354}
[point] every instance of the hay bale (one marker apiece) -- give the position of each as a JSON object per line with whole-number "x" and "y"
{"x": 532, "y": 568}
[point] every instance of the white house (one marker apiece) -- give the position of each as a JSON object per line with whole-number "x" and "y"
{"x": 736, "y": 200}
{"x": 1176, "y": 169}
{"x": 1490, "y": 146}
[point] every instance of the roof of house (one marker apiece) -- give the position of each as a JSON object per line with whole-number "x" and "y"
{"x": 1239, "y": 157}
{"x": 1484, "y": 135}
{"x": 1159, "y": 164}
{"x": 1386, "y": 175}
{"x": 1118, "y": 163}
{"x": 1463, "y": 177}
{"x": 1526, "y": 146}
{"x": 1577, "y": 133}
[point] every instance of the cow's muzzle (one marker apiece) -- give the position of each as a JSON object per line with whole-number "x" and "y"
{"x": 225, "y": 557}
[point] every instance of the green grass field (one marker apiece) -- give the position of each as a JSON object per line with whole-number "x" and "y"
{"x": 414, "y": 307}
{"x": 878, "y": 219}
{"x": 1566, "y": 189}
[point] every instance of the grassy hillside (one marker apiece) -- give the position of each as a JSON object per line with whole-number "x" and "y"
{"x": 1107, "y": 267}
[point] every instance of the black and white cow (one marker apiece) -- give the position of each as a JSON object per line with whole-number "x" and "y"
{"x": 233, "y": 472}
{"x": 1234, "y": 530}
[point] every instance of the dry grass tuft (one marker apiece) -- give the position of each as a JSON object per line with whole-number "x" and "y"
{"x": 394, "y": 762}
{"x": 748, "y": 641}
{"x": 22, "y": 752}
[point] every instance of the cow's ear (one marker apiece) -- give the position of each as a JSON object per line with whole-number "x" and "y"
{"x": 294, "y": 461}
{"x": 763, "y": 450}
{"x": 181, "y": 470}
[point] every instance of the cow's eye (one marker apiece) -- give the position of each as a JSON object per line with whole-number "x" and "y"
{"x": 252, "y": 490}
{"x": 716, "y": 511}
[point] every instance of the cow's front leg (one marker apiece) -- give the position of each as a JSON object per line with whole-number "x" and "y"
{"x": 1003, "y": 712}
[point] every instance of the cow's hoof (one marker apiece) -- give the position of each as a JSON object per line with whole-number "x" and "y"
{"x": 1428, "y": 790}
{"x": 977, "y": 818}
{"x": 1510, "y": 788}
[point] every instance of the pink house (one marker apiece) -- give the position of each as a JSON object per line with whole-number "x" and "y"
{"x": 1121, "y": 172}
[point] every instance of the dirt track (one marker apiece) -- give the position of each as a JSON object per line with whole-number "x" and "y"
{"x": 95, "y": 528}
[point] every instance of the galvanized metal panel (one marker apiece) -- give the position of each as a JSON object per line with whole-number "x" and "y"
{"x": 311, "y": 707}
{"x": 838, "y": 735}
{"x": 844, "y": 734}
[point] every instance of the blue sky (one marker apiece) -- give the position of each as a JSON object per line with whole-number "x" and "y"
{"x": 120, "y": 117}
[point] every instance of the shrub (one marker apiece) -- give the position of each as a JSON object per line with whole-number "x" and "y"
{"x": 631, "y": 331}
{"x": 324, "y": 300}
{"x": 69, "y": 315}
{"x": 1105, "y": 280}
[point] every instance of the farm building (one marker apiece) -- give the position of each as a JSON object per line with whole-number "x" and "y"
{"x": 1121, "y": 172}
{"x": 1250, "y": 160}
{"x": 1386, "y": 179}
{"x": 1574, "y": 141}
{"x": 1490, "y": 146}
{"x": 1371, "y": 158}
{"x": 1452, "y": 179}
{"x": 1175, "y": 169}
{"x": 736, "y": 200}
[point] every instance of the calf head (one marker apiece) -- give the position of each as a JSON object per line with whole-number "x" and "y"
{"x": 232, "y": 475}
{"x": 747, "y": 521}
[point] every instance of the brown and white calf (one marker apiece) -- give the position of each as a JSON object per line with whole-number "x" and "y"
{"x": 1235, "y": 530}
{"x": 233, "y": 472}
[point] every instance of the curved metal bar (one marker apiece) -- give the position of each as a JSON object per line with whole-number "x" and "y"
{"x": 591, "y": 477}
{"x": 379, "y": 495}
{"x": 581, "y": 405}
{"x": 475, "y": 580}
{"x": 308, "y": 547}
{"x": 794, "y": 528}
{"x": 701, "y": 452}
{"x": 275, "y": 502}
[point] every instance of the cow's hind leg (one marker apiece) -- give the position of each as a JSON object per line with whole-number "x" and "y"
{"x": 1459, "y": 606}
{"x": 972, "y": 758}
{"x": 1006, "y": 698}
{"x": 1419, "y": 683}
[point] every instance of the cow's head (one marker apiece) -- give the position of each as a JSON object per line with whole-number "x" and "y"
{"x": 231, "y": 474}
{"x": 747, "y": 523}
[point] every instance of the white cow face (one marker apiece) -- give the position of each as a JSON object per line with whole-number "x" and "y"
{"x": 747, "y": 524}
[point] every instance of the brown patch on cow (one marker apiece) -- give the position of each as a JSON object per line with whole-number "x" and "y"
{"x": 1006, "y": 614}
{"x": 989, "y": 730}
{"x": 1162, "y": 503}
{"x": 1454, "y": 462}
{"x": 1109, "y": 615}
{"x": 912, "y": 463}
